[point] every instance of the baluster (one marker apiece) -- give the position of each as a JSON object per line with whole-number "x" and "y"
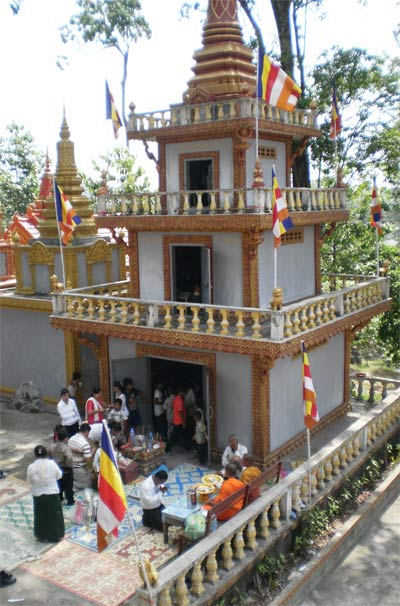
{"x": 240, "y": 325}
{"x": 251, "y": 534}
{"x": 369, "y": 435}
{"x": 158, "y": 207}
{"x": 212, "y": 567}
{"x": 135, "y": 205}
{"x": 79, "y": 309}
{"x": 328, "y": 470}
{"x": 241, "y": 205}
{"x": 210, "y": 320}
{"x": 343, "y": 457}
{"x": 303, "y": 319}
{"x": 124, "y": 312}
{"x": 181, "y": 318}
{"x": 186, "y": 205}
{"x": 112, "y": 206}
{"x": 90, "y": 309}
{"x": 101, "y": 310}
{"x": 226, "y": 205}
{"x": 304, "y": 489}
{"x": 290, "y": 200}
{"x": 256, "y": 325}
{"x": 224, "y": 322}
{"x": 227, "y": 555}
{"x": 314, "y": 482}
{"x": 167, "y": 316}
{"x": 349, "y": 450}
{"x": 136, "y": 314}
{"x": 321, "y": 477}
{"x": 318, "y": 313}
{"x": 113, "y": 312}
{"x": 146, "y": 204}
{"x": 197, "y": 580}
{"x": 332, "y": 309}
{"x": 384, "y": 389}
{"x": 165, "y": 596}
{"x": 213, "y": 203}
{"x": 199, "y": 205}
{"x": 298, "y": 200}
{"x": 238, "y": 544}
{"x": 371, "y": 391}
{"x": 311, "y": 316}
{"x": 296, "y": 322}
{"x": 70, "y": 307}
{"x": 182, "y": 592}
{"x": 296, "y": 500}
{"x": 356, "y": 445}
{"x": 264, "y": 524}
{"x": 275, "y": 514}
{"x": 195, "y": 319}
{"x": 287, "y": 327}
{"x": 313, "y": 200}
{"x": 325, "y": 311}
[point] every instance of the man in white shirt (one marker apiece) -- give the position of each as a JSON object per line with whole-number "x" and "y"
{"x": 234, "y": 450}
{"x": 96, "y": 429}
{"x": 151, "y": 493}
{"x": 69, "y": 413}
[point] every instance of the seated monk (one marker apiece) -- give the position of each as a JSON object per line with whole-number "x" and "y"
{"x": 230, "y": 485}
{"x": 249, "y": 473}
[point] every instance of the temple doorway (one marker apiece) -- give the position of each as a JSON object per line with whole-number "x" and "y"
{"x": 191, "y": 269}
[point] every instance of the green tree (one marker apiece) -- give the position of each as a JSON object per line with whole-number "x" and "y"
{"x": 112, "y": 24}
{"x": 21, "y": 165}
{"x": 122, "y": 174}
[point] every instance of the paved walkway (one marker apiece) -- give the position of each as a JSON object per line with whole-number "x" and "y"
{"x": 370, "y": 575}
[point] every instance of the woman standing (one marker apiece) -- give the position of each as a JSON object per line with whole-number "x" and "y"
{"x": 94, "y": 410}
{"x": 42, "y": 475}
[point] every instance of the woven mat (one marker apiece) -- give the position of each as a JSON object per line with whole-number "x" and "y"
{"x": 12, "y": 488}
{"x": 107, "y": 578}
{"x": 18, "y": 547}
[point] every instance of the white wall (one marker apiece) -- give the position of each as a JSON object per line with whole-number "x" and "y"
{"x": 295, "y": 268}
{"x": 227, "y": 269}
{"x": 286, "y": 391}
{"x": 234, "y": 398}
{"x": 174, "y": 150}
{"x": 266, "y": 164}
{"x": 151, "y": 268}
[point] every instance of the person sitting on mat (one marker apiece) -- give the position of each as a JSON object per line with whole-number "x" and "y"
{"x": 152, "y": 490}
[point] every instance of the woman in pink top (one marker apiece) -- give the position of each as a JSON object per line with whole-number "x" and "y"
{"x": 94, "y": 407}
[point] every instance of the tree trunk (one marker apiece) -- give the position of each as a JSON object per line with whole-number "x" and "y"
{"x": 281, "y": 9}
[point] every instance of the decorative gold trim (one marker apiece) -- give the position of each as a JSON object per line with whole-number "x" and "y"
{"x": 261, "y": 417}
{"x": 206, "y": 241}
{"x": 104, "y": 368}
{"x": 39, "y": 254}
{"x": 214, "y": 155}
{"x": 250, "y": 243}
{"x": 293, "y": 236}
{"x": 98, "y": 252}
{"x": 72, "y": 355}
{"x": 12, "y": 302}
{"x": 346, "y": 370}
{"x": 133, "y": 255}
{"x": 191, "y": 357}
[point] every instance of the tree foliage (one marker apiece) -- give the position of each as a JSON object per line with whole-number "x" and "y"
{"x": 112, "y": 24}
{"x": 21, "y": 165}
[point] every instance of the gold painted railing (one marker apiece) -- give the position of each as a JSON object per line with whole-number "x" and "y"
{"x": 198, "y": 575}
{"x": 110, "y": 303}
{"x": 222, "y": 201}
{"x": 216, "y": 111}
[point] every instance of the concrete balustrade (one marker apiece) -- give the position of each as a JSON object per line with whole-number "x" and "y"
{"x": 110, "y": 303}
{"x": 209, "y": 565}
{"x": 221, "y": 201}
{"x": 366, "y": 388}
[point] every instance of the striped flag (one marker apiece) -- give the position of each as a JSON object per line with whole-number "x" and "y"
{"x": 376, "y": 211}
{"x": 336, "y": 121}
{"x": 112, "y": 504}
{"x": 311, "y": 416}
{"x": 65, "y": 213}
{"x": 281, "y": 220}
{"x": 112, "y": 112}
{"x": 274, "y": 85}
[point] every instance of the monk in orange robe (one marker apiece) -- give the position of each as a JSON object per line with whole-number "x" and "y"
{"x": 249, "y": 473}
{"x": 230, "y": 485}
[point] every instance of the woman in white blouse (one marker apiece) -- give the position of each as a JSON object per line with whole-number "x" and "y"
{"x": 48, "y": 519}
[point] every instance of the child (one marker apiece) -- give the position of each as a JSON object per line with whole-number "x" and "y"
{"x": 200, "y": 437}
{"x": 115, "y": 412}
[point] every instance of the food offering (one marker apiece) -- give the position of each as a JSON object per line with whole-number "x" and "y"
{"x": 213, "y": 480}
{"x": 204, "y": 492}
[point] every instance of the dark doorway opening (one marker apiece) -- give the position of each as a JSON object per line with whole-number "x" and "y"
{"x": 199, "y": 177}
{"x": 187, "y": 270}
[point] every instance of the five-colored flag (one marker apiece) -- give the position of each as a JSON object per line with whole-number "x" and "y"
{"x": 336, "y": 120}
{"x": 311, "y": 416}
{"x": 281, "y": 220}
{"x": 112, "y": 112}
{"x": 274, "y": 85}
{"x": 65, "y": 213}
{"x": 376, "y": 211}
{"x": 112, "y": 503}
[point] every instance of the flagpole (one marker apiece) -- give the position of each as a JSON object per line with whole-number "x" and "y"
{"x": 257, "y": 100}
{"x": 59, "y": 234}
{"x": 377, "y": 251}
{"x": 309, "y": 464}
{"x": 275, "y": 267}
{"x": 142, "y": 566}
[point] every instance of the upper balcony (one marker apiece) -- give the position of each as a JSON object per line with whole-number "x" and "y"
{"x": 216, "y": 116}
{"x": 93, "y": 308}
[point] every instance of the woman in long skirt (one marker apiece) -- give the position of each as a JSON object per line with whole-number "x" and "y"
{"x": 48, "y": 519}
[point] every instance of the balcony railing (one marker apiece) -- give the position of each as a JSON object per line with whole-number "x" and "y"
{"x": 199, "y": 575}
{"x": 110, "y": 303}
{"x": 222, "y": 201}
{"x": 217, "y": 111}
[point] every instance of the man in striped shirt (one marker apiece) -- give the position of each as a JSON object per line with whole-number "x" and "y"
{"x": 81, "y": 458}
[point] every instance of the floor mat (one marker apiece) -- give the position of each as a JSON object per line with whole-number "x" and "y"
{"x": 107, "y": 578}
{"x": 18, "y": 547}
{"x": 12, "y": 488}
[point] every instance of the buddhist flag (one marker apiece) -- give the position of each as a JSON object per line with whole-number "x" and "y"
{"x": 274, "y": 85}
{"x": 281, "y": 220}
{"x": 336, "y": 121}
{"x": 112, "y": 504}
{"x": 376, "y": 211}
{"x": 311, "y": 416}
{"x": 66, "y": 214}
{"x": 112, "y": 112}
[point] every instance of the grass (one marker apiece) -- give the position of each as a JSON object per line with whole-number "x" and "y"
{"x": 376, "y": 368}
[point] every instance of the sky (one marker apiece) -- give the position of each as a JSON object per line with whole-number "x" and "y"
{"x": 35, "y": 90}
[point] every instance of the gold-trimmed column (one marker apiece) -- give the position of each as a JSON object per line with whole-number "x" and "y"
{"x": 104, "y": 368}
{"x": 72, "y": 355}
{"x": 133, "y": 253}
{"x": 261, "y": 420}
{"x": 250, "y": 243}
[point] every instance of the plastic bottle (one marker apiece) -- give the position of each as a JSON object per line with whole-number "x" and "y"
{"x": 150, "y": 441}
{"x": 132, "y": 435}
